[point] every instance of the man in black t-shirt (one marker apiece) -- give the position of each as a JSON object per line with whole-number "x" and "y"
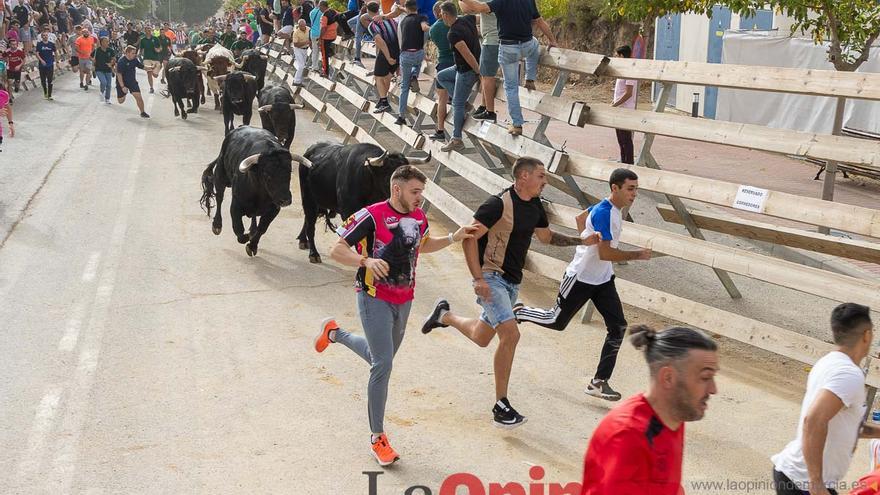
{"x": 459, "y": 80}
{"x": 515, "y": 18}
{"x": 266, "y": 25}
{"x": 131, "y": 37}
{"x": 495, "y": 257}
{"x": 412, "y": 53}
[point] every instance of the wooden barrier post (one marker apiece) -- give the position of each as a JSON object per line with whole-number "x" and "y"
{"x": 831, "y": 165}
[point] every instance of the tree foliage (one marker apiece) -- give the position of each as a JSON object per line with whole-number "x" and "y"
{"x": 849, "y": 26}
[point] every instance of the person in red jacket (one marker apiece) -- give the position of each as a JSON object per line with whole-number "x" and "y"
{"x": 637, "y": 448}
{"x": 868, "y": 484}
{"x": 14, "y": 56}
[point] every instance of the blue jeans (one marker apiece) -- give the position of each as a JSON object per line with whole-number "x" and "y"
{"x": 500, "y": 308}
{"x": 410, "y": 66}
{"x": 384, "y": 326}
{"x": 459, "y": 86}
{"x": 509, "y": 57}
{"x": 359, "y": 32}
{"x": 105, "y": 78}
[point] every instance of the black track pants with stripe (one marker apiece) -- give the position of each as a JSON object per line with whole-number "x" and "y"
{"x": 572, "y": 296}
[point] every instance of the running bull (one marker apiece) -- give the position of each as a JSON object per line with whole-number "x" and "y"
{"x": 277, "y": 113}
{"x": 239, "y": 91}
{"x": 183, "y": 83}
{"x": 343, "y": 179}
{"x": 254, "y": 62}
{"x": 258, "y": 169}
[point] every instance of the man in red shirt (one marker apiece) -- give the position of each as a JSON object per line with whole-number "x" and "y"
{"x": 637, "y": 448}
{"x": 14, "y": 56}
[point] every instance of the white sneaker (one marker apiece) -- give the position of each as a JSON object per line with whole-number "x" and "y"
{"x": 107, "y": 101}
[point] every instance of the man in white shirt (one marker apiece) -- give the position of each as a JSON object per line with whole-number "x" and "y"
{"x": 625, "y": 96}
{"x": 590, "y": 277}
{"x": 832, "y": 412}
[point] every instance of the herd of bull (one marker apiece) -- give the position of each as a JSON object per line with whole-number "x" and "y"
{"x": 257, "y": 163}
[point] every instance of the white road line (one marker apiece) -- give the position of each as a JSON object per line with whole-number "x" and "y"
{"x": 91, "y": 269}
{"x": 71, "y": 330}
{"x": 77, "y": 405}
{"x": 44, "y": 419}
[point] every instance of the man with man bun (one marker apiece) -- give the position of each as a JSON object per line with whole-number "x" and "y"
{"x": 637, "y": 448}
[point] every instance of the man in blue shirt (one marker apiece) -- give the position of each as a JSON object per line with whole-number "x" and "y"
{"x": 315, "y": 35}
{"x": 590, "y": 277}
{"x": 126, "y": 78}
{"x": 46, "y": 55}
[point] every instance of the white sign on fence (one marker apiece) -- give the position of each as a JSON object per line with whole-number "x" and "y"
{"x": 484, "y": 129}
{"x": 750, "y": 198}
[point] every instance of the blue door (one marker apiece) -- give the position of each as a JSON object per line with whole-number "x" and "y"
{"x": 761, "y": 21}
{"x": 719, "y": 23}
{"x": 668, "y": 39}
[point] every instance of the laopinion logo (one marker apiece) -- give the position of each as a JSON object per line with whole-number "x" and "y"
{"x": 471, "y": 484}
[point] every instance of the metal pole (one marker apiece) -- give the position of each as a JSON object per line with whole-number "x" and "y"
{"x": 831, "y": 166}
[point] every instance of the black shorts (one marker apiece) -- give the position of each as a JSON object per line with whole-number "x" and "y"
{"x": 74, "y": 61}
{"x": 383, "y": 68}
{"x": 13, "y": 75}
{"x": 132, "y": 88}
{"x": 267, "y": 29}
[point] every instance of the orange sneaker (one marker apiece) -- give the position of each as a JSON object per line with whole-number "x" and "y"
{"x": 383, "y": 452}
{"x": 322, "y": 340}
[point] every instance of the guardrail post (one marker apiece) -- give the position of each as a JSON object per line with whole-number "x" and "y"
{"x": 646, "y": 159}
{"x": 831, "y": 166}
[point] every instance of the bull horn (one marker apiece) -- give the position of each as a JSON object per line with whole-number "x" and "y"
{"x": 296, "y": 106}
{"x": 250, "y": 77}
{"x": 265, "y": 108}
{"x": 377, "y": 161}
{"x": 248, "y": 162}
{"x": 264, "y": 57}
{"x": 302, "y": 160}
{"x": 174, "y": 69}
{"x": 220, "y": 78}
{"x": 202, "y": 69}
{"x": 419, "y": 161}
{"x": 238, "y": 66}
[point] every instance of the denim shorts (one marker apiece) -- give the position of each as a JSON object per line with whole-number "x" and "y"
{"x": 500, "y": 308}
{"x": 489, "y": 60}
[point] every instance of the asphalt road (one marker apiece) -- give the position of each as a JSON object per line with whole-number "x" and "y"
{"x": 139, "y": 353}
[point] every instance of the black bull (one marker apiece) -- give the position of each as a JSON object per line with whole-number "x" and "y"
{"x": 277, "y": 114}
{"x": 239, "y": 91}
{"x": 183, "y": 83}
{"x": 343, "y": 179}
{"x": 258, "y": 169}
{"x": 254, "y": 62}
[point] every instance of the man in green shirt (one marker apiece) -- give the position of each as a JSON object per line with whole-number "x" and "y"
{"x": 241, "y": 44}
{"x": 150, "y": 49}
{"x": 228, "y": 37}
{"x": 439, "y": 34}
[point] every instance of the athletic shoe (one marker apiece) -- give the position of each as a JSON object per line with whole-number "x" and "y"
{"x": 86, "y": 87}
{"x": 486, "y": 115}
{"x": 433, "y": 319}
{"x": 358, "y": 62}
{"x": 530, "y": 85}
{"x": 454, "y": 145}
{"x": 400, "y": 121}
{"x": 382, "y": 106}
{"x": 383, "y": 452}
{"x": 438, "y": 136}
{"x": 506, "y": 416}
{"x": 152, "y": 91}
{"x": 514, "y": 130}
{"x": 480, "y": 109}
{"x": 145, "y": 115}
{"x": 50, "y": 98}
{"x": 601, "y": 389}
{"x": 81, "y": 85}
{"x": 322, "y": 340}
{"x": 107, "y": 101}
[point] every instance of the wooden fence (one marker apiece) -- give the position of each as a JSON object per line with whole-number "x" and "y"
{"x": 344, "y": 100}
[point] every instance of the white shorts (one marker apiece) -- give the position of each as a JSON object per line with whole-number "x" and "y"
{"x": 285, "y": 30}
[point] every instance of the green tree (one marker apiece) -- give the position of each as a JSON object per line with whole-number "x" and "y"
{"x": 849, "y": 26}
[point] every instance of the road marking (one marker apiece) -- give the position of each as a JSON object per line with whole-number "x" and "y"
{"x": 91, "y": 269}
{"x": 64, "y": 462}
{"x": 71, "y": 330}
{"x": 44, "y": 419}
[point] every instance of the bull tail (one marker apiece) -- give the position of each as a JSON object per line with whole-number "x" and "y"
{"x": 206, "y": 201}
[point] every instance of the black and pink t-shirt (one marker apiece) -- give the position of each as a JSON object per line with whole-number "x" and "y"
{"x": 379, "y": 231}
